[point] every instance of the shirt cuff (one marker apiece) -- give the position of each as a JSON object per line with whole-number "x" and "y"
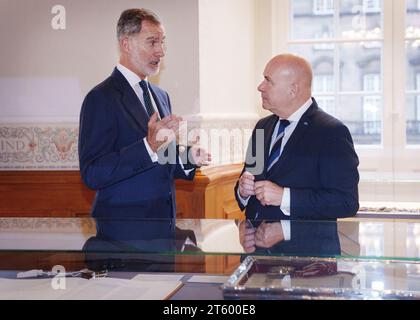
{"x": 187, "y": 172}
{"x": 243, "y": 201}
{"x": 153, "y": 155}
{"x": 285, "y": 202}
{"x": 285, "y": 225}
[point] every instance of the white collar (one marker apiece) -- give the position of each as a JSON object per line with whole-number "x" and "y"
{"x": 295, "y": 117}
{"x": 132, "y": 78}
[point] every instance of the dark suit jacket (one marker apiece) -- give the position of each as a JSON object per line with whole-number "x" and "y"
{"x": 114, "y": 160}
{"x": 318, "y": 164}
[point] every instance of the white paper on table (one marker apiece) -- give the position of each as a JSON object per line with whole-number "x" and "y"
{"x": 83, "y": 289}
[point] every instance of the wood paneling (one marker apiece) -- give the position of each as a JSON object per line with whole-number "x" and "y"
{"x": 44, "y": 193}
{"x": 63, "y": 194}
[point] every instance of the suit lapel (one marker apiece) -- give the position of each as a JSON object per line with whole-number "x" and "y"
{"x": 135, "y": 108}
{"x": 268, "y": 132}
{"x": 132, "y": 106}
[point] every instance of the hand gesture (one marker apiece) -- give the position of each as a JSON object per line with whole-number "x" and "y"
{"x": 199, "y": 156}
{"x": 162, "y": 132}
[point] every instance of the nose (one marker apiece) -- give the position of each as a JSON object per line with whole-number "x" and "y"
{"x": 160, "y": 50}
{"x": 260, "y": 88}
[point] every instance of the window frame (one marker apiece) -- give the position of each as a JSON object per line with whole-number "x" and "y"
{"x": 376, "y": 161}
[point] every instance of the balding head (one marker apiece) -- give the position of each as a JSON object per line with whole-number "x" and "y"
{"x": 296, "y": 68}
{"x": 287, "y": 84}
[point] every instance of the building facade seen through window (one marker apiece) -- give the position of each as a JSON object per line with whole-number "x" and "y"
{"x": 371, "y": 6}
{"x": 323, "y": 7}
{"x": 412, "y": 46}
{"x": 365, "y": 57}
{"x": 350, "y": 52}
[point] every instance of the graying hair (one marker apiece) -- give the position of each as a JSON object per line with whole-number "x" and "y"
{"x": 130, "y": 21}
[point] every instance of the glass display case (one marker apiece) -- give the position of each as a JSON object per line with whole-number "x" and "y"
{"x": 204, "y": 259}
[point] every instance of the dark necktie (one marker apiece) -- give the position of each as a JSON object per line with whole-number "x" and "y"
{"x": 146, "y": 97}
{"x": 275, "y": 151}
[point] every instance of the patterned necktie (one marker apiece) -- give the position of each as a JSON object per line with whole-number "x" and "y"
{"x": 275, "y": 151}
{"x": 146, "y": 97}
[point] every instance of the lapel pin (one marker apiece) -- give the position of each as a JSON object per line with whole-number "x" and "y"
{"x": 305, "y": 123}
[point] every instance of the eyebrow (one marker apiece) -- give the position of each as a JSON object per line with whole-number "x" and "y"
{"x": 155, "y": 37}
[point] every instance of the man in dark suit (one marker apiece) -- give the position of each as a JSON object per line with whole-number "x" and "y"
{"x": 127, "y": 142}
{"x": 309, "y": 162}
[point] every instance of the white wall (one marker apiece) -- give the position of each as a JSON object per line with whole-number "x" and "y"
{"x": 227, "y": 57}
{"x": 45, "y": 73}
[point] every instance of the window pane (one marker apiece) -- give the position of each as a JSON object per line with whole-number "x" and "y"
{"x": 372, "y": 82}
{"x": 357, "y": 62}
{"x": 363, "y": 117}
{"x": 361, "y": 19}
{"x": 327, "y": 103}
{"x": 318, "y": 14}
{"x": 413, "y": 120}
{"x": 370, "y": 6}
{"x": 412, "y": 64}
{"x": 413, "y": 16}
{"x": 412, "y": 71}
{"x": 323, "y": 83}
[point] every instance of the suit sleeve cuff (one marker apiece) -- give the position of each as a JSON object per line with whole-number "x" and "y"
{"x": 153, "y": 155}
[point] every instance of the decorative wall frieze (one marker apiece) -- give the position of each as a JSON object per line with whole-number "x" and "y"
{"x": 39, "y": 147}
{"x": 54, "y": 146}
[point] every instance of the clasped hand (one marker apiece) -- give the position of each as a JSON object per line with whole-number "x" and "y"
{"x": 267, "y": 192}
{"x": 265, "y": 236}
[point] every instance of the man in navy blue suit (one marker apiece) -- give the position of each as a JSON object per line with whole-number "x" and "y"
{"x": 127, "y": 143}
{"x": 309, "y": 162}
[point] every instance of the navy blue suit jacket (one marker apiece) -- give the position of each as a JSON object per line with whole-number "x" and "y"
{"x": 114, "y": 160}
{"x": 318, "y": 164}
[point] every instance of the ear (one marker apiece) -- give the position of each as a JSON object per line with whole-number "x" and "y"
{"x": 293, "y": 90}
{"x": 125, "y": 44}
